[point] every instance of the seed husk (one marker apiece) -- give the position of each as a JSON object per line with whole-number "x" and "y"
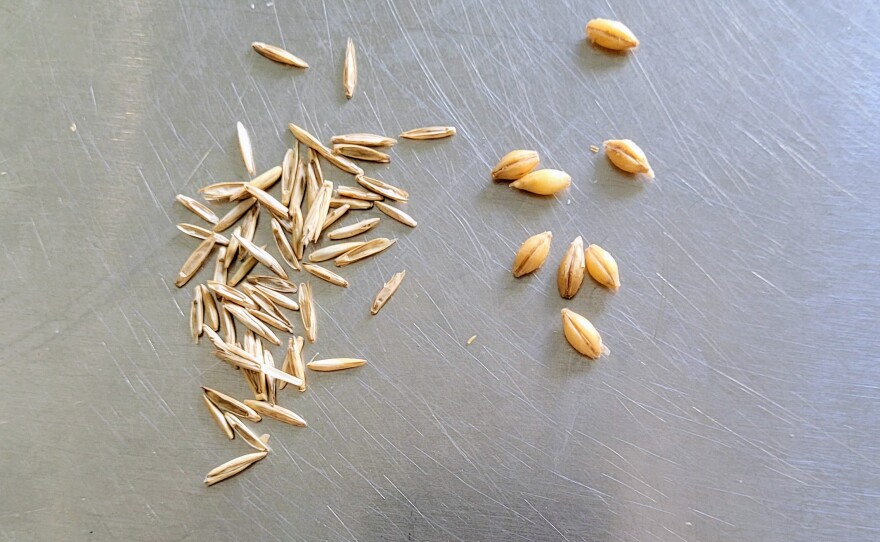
{"x": 288, "y": 170}
{"x": 371, "y": 247}
{"x": 307, "y": 311}
{"x": 198, "y": 208}
{"x": 283, "y": 245}
{"x": 581, "y": 335}
{"x": 202, "y": 233}
{"x": 218, "y": 418}
{"x": 275, "y": 207}
{"x": 245, "y": 432}
{"x": 514, "y": 165}
{"x": 232, "y": 353}
{"x": 365, "y": 140}
{"x": 231, "y": 249}
{"x": 382, "y": 188}
{"x": 242, "y": 271}
{"x": 196, "y": 313}
{"x": 357, "y": 193}
{"x": 194, "y": 261}
{"x": 227, "y": 325}
{"x": 247, "y": 150}
{"x": 602, "y": 267}
{"x": 356, "y": 204}
{"x": 570, "y": 274}
{"x": 234, "y": 214}
{"x": 313, "y": 143}
{"x": 221, "y": 192}
{"x": 230, "y": 294}
{"x": 231, "y": 404}
{"x": 532, "y": 253}
{"x": 263, "y": 181}
{"x": 246, "y": 317}
{"x": 262, "y": 256}
{"x": 276, "y": 374}
{"x": 359, "y": 152}
{"x": 471, "y": 340}
{"x": 273, "y": 283}
{"x": 610, "y": 34}
{"x": 235, "y": 360}
{"x": 249, "y": 227}
{"x": 281, "y": 324}
{"x": 544, "y": 182}
{"x": 298, "y": 188}
{"x": 335, "y": 364}
{"x": 429, "y": 132}
{"x": 219, "y": 266}
{"x": 628, "y": 156}
{"x": 335, "y": 215}
{"x": 325, "y": 274}
{"x": 276, "y": 412}
{"x": 332, "y": 251}
{"x": 278, "y": 298}
{"x": 396, "y": 214}
{"x": 386, "y": 292}
{"x": 350, "y": 71}
{"x": 279, "y": 55}
{"x": 296, "y": 236}
{"x": 317, "y": 214}
{"x": 296, "y": 362}
{"x": 355, "y": 229}
{"x": 233, "y": 467}
{"x": 212, "y": 317}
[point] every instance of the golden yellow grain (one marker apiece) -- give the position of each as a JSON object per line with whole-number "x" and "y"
{"x": 581, "y": 335}
{"x": 544, "y": 182}
{"x": 628, "y": 156}
{"x": 570, "y": 275}
{"x": 279, "y": 55}
{"x": 514, "y": 165}
{"x": 602, "y": 267}
{"x": 611, "y": 34}
{"x": 532, "y": 253}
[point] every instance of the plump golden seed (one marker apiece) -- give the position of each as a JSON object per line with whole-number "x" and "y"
{"x": 514, "y": 165}
{"x": 611, "y": 34}
{"x": 581, "y": 335}
{"x": 545, "y": 182}
{"x": 628, "y": 156}
{"x": 602, "y": 267}
{"x": 570, "y": 275}
{"x": 532, "y": 253}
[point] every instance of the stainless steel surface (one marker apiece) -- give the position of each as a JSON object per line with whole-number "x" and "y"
{"x": 741, "y": 399}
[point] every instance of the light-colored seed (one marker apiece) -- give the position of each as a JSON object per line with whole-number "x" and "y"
{"x": 298, "y": 188}
{"x": 602, "y": 267}
{"x": 249, "y": 227}
{"x": 471, "y": 340}
{"x": 245, "y": 433}
{"x": 581, "y": 335}
{"x": 570, "y": 274}
{"x": 357, "y": 193}
{"x": 198, "y": 208}
{"x": 335, "y": 364}
{"x": 386, "y": 292}
{"x": 273, "y": 205}
{"x": 212, "y": 317}
{"x": 282, "y": 376}
{"x": 271, "y": 320}
{"x": 229, "y": 293}
{"x": 202, "y": 233}
{"x": 532, "y": 253}
{"x": 382, "y": 188}
{"x": 611, "y": 34}
{"x": 544, "y": 182}
{"x": 218, "y": 418}
{"x": 312, "y": 186}
{"x": 242, "y": 271}
{"x": 628, "y": 156}
{"x": 278, "y": 298}
{"x": 227, "y": 324}
{"x": 371, "y": 247}
{"x": 265, "y": 438}
{"x": 231, "y": 404}
{"x": 196, "y": 313}
{"x": 277, "y": 412}
{"x": 247, "y": 150}
{"x": 262, "y": 300}
{"x": 221, "y": 192}
{"x": 365, "y": 140}
{"x": 299, "y": 368}
{"x": 231, "y": 249}
{"x": 514, "y": 165}
{"x": 350, "y": 70}
{"x": 251, "y": 322}
{"x": 325, "y": 274}
{"x": 264, "y": 257}
{"x": 288, "y": 169}
{"x": 317, "y": 214}
{"x": 234, "y": 214}
{"x": 236, "y": 360}
{"x": 355, "y": 229}
{"x": 283, "y": 245}
{"x": 279, "y": 55}
{"x": 356, "y": 204}
{"x": 194, "y": 261}
{"x": 332, "y": 251}
{"x": 307, "y": 311}
{"x": 334, "y": 215}
{"x": 220, "y": 274}
{"x": 263, "y": 181}
{"x": 273, "y": 283}
{"x": 296, "y": 236}
{"x": 359, "y": 152}
{"x": 396, "y": 214}
{"x": 313, "y": 143}
{"x": 594, "y": 148}
{"x": 231, "y": 468}
{"x": 429, "y": 132}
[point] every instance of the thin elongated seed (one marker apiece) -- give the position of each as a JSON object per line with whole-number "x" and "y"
{"x": 218, "y": 418}
{"x": 288, "y": 168}
{"x": 273, "y": 283}
{"x": 324, "y": 210}
{"x": 279, "y": 55}
{"x": 231, "y": 468}
{"x": 611, "y": 34}
{"x": 242, "y": 271}
{"x": 196, "y": 314}
{"x": 335, "y": 364}
{"x": 287, "y": 364}
{"x": 471, "y": 340}
{"x": 334, "y": 215}
{"x": 532, "y": 254}
{"x": 313, "y": 143}
{"x": 274, "y": 206}
{"x": 396, "y": 214}
{"x": 582, "y": 335}
{"x": 221, "y": 192}
{"x": 231, "y": 404}
{"x": 386, "y": 292}
{"x": 296, "y": 236}
{"x": 271, "y": 383}
{"x": 282, "y": 376}
{"x": 266, "y": 304}
{"x": 263, "y": 181}
{"x": 245, "y": 432}
{"x": 363, "y": 139}
{"x": 234, "y": 214}
{"x": 219, "y": 266}
{"x": 264, "y": 257}
{"x": 299, "y": 369}
{"x": 229, "y": 293}
{"x": 249, "y": 227}
{"x": 236, "y": 360}
{"x": 194, "y": 261}
{"x": 198, "y": 208}
{"x": 299, "y": 182}
{"x": 277, "y": 412}
{"x": 307, "y": 311}
{"x": 371, "y": 247}
{"x": 332, "y": 251}
{"x": 350, "y": 70}
{"x": 355, "y": 229}
{"x": 382, "y": 188}
{"x": 271, "y": 320}
{"x": 312, "y": 186}
{"x": 242, "y": 358}
{"x": 357, "y": 193}
{"x": 325, "y": 274}
{"x": 232, "y": 249}
{"x": 227, "y": 325}
{"x": 356, "y": 204}
{"x": 247, "y": 150}
{"x": 570, "y": 274}
{"x": 359, "y": 152}
{"x": 202, "y": 233}
{"x": 278, "y": 298}
{"x": 212, "y": 317}
{"x": 283, "y": 245}
{"x": 251, "y": 322}
{"x": 429, "y": 132}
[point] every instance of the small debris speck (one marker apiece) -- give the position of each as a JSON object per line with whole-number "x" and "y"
{"x": 594, "y": 148}
{"x": 471, "y": 340}
{"x": 73, "y": 127}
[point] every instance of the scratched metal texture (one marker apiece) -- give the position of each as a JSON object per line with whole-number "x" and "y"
{"x": 740, "y": 400}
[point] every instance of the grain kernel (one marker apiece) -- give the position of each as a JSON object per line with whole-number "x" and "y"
{"x": 514, "y": 165}
{"x": 582, "y": 335}
{"x": 610, "y": 34}
{"x": 545, "y": 182}
{"x": 532, "y": 253}
{"x": 602, "y": 267}
{"x": 628, "y": 156}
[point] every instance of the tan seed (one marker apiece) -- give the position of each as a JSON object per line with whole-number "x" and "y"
{"x": 532, "y": 253}
{"x": 231, "y": 249}
{"x": 202, "y": 233}
{"x": 218, "y": 418}
{"x": 544, "y": 182}
{"x": 298, "y": 188}
{"x": 570, "y": 275}
{"x": 264, "y": 257}
{"x": 602, "y": 267}
{"x": 357, "y": 193}
{"x": 288, "y": 170}
{"x": 279, "y": 55}
{"x": 231, "y": 404}
{"x": 272, "y": 318}
{"x": 220, "y": 274}
{"x": 296, "y": 236}
{"x": 229, "y": 293}
{"x": 350, "y": 70}
{"x": 236, "y": 360}
{"x": 628, "y": 156}
{"x": 273, "y": 283}
{"x": 282, "y": 376}
{"x": 365, "y": 140}
{"x": 359, "y": 152}
{"x": 299, "y": 369}
{"x": 382, "y": 188}
{"x": 249, "y": 228}
{"x": 212, "y": 317}
{"x": 429, "y": 132}
{"x": 335, "y": 364}
{"x": 611, "y": 34}
{"x": 332, "y": 251}
{"x": 356, "y": 204}
{"x": 514, "y": 165}
{"x": 276, "y": 412}
{"x": 471, "y": 340}
{"x": 396, "y": 214}
{"x": 244, "y": 268}
{"x": 594, "y": 148}
{"x": 247, "y": 150}
{"x": 222, "y": 192}
{"x": 355, "y": 229}
{"x": 313, "y": 143}
{"x": 371, "y": 247}
{"x": 198, "y": 208}
{"x": 581, "y": 335}
{"x": 196, "y": 313}
{"x": 231, "y": 468}
{"x": 307, "y": 311}
{"x": 278, "y": 298}
{"x": 273, "y": 205}
{"x": 234, "y": 214}
{"x": 325, "y": 274}
{"x": 194, "y": 261}
{"x": 283, "y": 245}
{"x": 263, "y": 181}
{"x": 245, "y": 433}
{"x": 386, "y": 292}
{"x": 334, "y": 215}
{"x": 246, "y": 317}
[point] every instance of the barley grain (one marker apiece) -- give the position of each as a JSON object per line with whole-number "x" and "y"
{"x": 544, "y": 182}
{"x": 602, "y": 267}
{"x": 570, "y": 274}
{"x": 514, "y": 165}
{"x": 611, "y": 34}
{"x": 582, "y": 335}
{"x": 532, "y": 253}
{"x": 628, "y": 156}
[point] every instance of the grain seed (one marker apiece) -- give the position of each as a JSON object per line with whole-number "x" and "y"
{"x": 218, "y": 418}
{"x": 276, "y": 412}
{"x": 386, "y": 292}
{"x": 355, "y": 229}
{"x": 260, "y": 254}
{"x": 602, "y": 267}
{"x": 313, "y": 143}
{"x": 382, "y": 188}
{"x": 194, "y": 261}
{"x": 249, "y": 227}
{"x": 283, "y": 245}
{"x": 273, "y": 283}
{"x": 278, "y": 298}
{"x": 544, "y": 182}
{"x": 335, "y": 364}
{"x": 227, "y": 325}
{"x": 219, "y": 267}
{"x": 357, "y": 193}
{"x": 202, "y": 233}
{"x": 232, "y": 295}
{"x": 365, "y": 140}
{"x": 236, "y": 360}
{"x": 231, "y": 404}
{"x": 288, "y": 169}
{"x": 271, "y": 371}
{"x": 296, "y": 236}
{"x": 570, "y": 274}
{"x": 196, "y": 312}
{"x": 371, "y": 247}
{"x": 247, "y": 150}
{"x": 396, "y": 214}
{"x": 233, "y": 467}
{"x": 429, "y": 132}
{"x": 332, "y": 251}
{"x": 298, "y": 189}
{"x": 299, "y": 368}
{"x": 532, "y": 253}
{"x": 275, "y": 207}
{"x": 628, "y": 156}
{"x": 198, "y": 208}
{"x": 514, "y": 165}
{"x": 325, "y": 274}
{"x": 611, "y": 34}
{"x": 359, "y": 152}
{"x": 222, "y": 192}
{"x": 212, "y": 317}
{"x": 246, "y": 317}
{"x": 232, "y": 249}
{"x": 245, "y": 433}
{"x": 234, "y": 214}
{"x": 350, "y": 70}
{"x": 244, "y": 268}
{"x": 263, "y": 181}
{"x": 581, "y": 335}
{"x": 334, "y": 215}
{"x": 272, "y": 320}
{"x": 279, "y": 55}
{"x": 307, "y": 311}
{"x": 356, "y": 204}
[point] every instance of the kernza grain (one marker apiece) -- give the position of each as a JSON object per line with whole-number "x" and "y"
{"x": 532, "y": 254}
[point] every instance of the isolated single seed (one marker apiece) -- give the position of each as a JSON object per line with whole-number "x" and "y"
{"x": 247, "y": 150}
{"x": 194, "y": 262}
{"x": 279, "y": 55}
{"x": 359, "y": 152}
{"x": 514, "y": 165}
{"x": 532, "y": 253}
{"x": 276, "y": 412}
{"x": 396, "y": 214}
{"x": 581, "y": 335}
{"x": 371, "y": 247}
{"x": 233, "y": 467}
{"x": 429, "y": 132}
{"x": 350, "y": 70}
{"x": 544, "y": 182}
{"x": 386, "y": 292}
{"x": 332, "y": 251}
{"x": 335, "y": 364}
{"x": 355, "y": 229}
{"x": 325, "y": 274}
{"x": 611, "y": 34}
{"x": 602, "y": 267}
{"x": 628, "y": 156}
{"x": 198, "y": 208}
{"x": 382, "y": 188}
{"x": 366, "y": 140}
{"x": 218, "y": 418}
{"x": 570, "y": 275}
